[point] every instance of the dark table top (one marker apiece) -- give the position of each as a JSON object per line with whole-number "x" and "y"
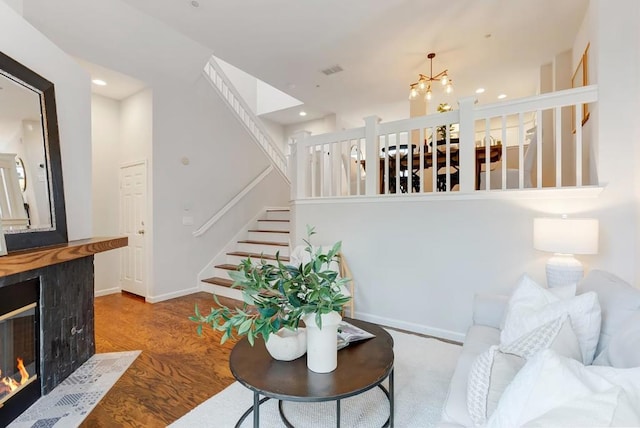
{"x": 361, "y": 366}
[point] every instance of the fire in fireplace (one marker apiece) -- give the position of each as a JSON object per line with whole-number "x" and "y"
{"x": 19, "y": 348}
{"x": 17, "y": 351}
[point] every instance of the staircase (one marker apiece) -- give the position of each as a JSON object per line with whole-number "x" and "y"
{"x": 267, "y": 237}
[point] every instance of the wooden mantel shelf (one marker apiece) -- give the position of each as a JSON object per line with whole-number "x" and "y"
{"x": 22, "y": 261}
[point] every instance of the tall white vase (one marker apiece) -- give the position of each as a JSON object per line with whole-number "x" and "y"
{"x": 322, "y": 343}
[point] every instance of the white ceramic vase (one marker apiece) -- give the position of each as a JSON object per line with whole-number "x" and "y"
{"x": 287, "y": 345}
{"x": 322, "y": 343}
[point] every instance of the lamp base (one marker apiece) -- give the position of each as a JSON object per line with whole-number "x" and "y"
{"x": 563, "y": 269}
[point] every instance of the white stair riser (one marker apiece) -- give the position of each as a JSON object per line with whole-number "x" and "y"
{"x": 234, "y": 260}
{"x": 220, "y": 290}
{"x": 278, "y": 215}
{"x": 269, "y": 236}
{"x": 262, "y": 249}
{"x": 221, "y": 273}
{"x": 273, "y": 225}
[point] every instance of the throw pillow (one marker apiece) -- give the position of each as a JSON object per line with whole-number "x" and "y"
{"x": 550, "y": 384}
{"x": 623, "y": 349}
{"x": 618, "y": 301}
{"x": 531, "y": 306}
{"x": 494, "y": 369}
{"x": 489, "y": 375}
{"x": 529, "y": 297}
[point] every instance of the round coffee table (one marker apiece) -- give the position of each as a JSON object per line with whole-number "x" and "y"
{"x": 361, "y": 366}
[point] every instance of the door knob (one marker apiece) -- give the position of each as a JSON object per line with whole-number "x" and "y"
{"x": 141, "y": 232}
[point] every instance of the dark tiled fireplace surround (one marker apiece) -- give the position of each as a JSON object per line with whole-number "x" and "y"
{"x": 66, "y": 315}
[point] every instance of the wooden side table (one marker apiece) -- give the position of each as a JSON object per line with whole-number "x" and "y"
{"x": 361, "y": 366}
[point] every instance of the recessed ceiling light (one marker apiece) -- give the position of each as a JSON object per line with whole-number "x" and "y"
{"x": 479, "y": 90}
{"x": 502, "y": 96}
{"x": 302, "y": 113}
{"x": 99, "y": 82}
{"x": 194, "y": 3}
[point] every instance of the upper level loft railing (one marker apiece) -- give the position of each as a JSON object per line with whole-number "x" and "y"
{"x": 248, "y": 119}
{"x": 525, "y": 143}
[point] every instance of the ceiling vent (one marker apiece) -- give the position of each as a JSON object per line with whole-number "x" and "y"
{"x": 332, "y": 70}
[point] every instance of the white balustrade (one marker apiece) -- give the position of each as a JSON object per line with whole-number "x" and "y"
{"x": 395, "y": 158}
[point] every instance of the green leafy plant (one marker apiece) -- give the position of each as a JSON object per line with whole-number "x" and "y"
{"x": 277, "y": 296}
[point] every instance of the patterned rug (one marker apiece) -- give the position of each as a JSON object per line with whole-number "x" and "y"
{"x": 71, "y": 401}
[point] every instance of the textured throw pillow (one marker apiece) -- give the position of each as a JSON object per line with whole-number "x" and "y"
{"x": 623, "y": 349}
{"x": 531, "y": 306}
{"x": 494, "y": 369}
{"x": 549, "y": 388}
{"x": 490, "y": 374}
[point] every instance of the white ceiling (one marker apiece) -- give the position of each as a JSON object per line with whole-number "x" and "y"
{"x": 380, "y": 44}
{"x": 118, "y": 86}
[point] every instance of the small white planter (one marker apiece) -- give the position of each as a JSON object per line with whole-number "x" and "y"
{"x": 322, "y": 343}
{"x": 287, "y": 345}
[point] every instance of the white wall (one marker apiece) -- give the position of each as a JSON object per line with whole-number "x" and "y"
{"x": 31, "y": 48}
{"x": 316, "y": 127}
{"x": 105, "y": 137}
{"x": 189, "y": 120}
{"x": 418, "y": 264}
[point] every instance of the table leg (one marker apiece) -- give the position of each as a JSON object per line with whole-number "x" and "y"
{"x": 391, "y": 399}
{"x": 338, "y": 413}
{"x": 256, "y": 410}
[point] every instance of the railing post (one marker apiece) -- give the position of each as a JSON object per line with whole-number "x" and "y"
{"x": 371, "y": 154}
{"x": 467, "y": 145}
{"x": 298, "y": 164}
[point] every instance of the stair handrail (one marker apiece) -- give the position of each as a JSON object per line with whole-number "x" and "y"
{"x": 218, "y": 215}
{"x": 247, "y": 118}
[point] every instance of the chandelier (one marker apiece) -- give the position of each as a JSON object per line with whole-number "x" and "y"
{"x": 423, "y": 85}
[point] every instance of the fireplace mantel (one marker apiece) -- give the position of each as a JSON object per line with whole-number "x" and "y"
{"x": 22, "y": 261}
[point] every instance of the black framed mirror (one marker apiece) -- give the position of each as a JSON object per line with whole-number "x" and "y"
{"x": 28, "y": 112}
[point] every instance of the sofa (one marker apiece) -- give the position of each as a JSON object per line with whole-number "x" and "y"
{"x": 579, "y": 366}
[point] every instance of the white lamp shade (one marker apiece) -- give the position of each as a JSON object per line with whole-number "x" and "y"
{"x": 566, "y": 235}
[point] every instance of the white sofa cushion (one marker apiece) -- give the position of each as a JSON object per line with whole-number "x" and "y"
{"x": 550, "y": 386}
{"x": 618, "y": 301}
{"x": 477, "y": 340}
{"x": 531, "y": 306}
{"x": 495, "y": 368}
{"x": 623, "y": 350}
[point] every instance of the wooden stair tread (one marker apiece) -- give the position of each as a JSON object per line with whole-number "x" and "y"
{"x": 219, "y": 281}
{"x": 279, "y": 244}
{"x": 227, "y": 266}
{"x": 282, "y": 210}
{"x": 257, "y": 256}
{"x": 269, "y": 231}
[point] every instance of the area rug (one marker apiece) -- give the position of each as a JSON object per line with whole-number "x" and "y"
{"x": 423, "y": 368}
{"x": 71, "y": 401}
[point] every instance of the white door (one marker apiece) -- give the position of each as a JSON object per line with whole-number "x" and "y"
{"x": 133, "y": 209}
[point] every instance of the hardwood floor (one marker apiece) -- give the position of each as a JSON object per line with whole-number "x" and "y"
{"x": 177, "y": 369}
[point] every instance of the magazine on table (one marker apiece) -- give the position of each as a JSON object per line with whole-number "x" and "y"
{"x": 348, "y": 333}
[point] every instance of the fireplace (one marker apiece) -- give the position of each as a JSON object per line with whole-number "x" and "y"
{"x": 46, "y": 319}
{"x": 19, "y": 347}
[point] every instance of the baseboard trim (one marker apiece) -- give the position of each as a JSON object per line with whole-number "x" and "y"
{"x": 107, "y": 291}
{"x": 412, "y": 327}
{"x": 167, "y": 296}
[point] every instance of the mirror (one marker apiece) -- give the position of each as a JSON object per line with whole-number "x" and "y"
{"x": 32, "y": 206}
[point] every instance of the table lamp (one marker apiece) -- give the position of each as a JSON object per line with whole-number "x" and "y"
{"x": 565, "y": 237}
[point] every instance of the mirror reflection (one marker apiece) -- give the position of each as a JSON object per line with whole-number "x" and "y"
{"x": 24, "y": 185}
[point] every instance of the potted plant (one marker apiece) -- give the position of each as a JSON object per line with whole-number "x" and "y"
{"x": 277, "y": 296}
